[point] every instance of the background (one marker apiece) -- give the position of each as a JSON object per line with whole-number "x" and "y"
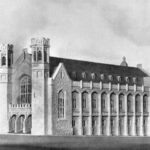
{"x": 95, "y": 30}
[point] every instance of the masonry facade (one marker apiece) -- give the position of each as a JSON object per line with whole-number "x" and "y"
{"x": 44, "y": 95}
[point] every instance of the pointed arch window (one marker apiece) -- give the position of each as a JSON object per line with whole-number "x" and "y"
{"x": 61, "y": 108}
{"x": 45, "y": 56}
{"x": 113, "y": 102}
{"x": 121, "y": 103}
{"x": 145, "y": 103}
{"x": 104, "y": 102}
{"x": 130, "y": 103}
{"x": 39, "y": 55}
{"x": 25, "y": 89}
{"x": 34, "y": 55}
{"x": 94, "y": 100}
{"x": 84, "y": 100}
{"x": 3, "y": 60}
{"x": 74, "y": 99}
{"x": 137, "y": 104}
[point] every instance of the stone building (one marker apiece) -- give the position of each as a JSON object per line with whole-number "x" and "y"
{"x": 44, "y": 95}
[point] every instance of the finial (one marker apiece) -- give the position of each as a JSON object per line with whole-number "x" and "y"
{"x": 124, "y": 63}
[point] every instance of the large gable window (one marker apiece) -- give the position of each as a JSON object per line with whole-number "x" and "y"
{"x": 61, "y": 104}
{"x": 25, "y": 89}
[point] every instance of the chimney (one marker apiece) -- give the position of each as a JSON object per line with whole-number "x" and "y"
{"x": 139, "y": 66}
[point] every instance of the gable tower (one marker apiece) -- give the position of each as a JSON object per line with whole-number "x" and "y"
{"x": 40, "y": 74}
{"x": 6, "y": 61}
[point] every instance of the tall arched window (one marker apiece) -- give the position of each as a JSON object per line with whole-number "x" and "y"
{"x": 113, "y": 102}
{"x": 84, "y": 100}
{"x": 74, "y": 100}
{"x": 25, "y": 89}
{"x": 3, "y": 60}
{"x": 45, "y": 56}
{"x": 94, "y": 100}
{"x": 34, "y": 55}
{"x": 61, "y": 104}
{"x": 104, "y": 102}
{"x": 121, "y": 103}
{"x": 130, "y": 103}
{"x": 39, "y": 55}
{"x": 145, "y": 103}
{"x": 137, "y": 104}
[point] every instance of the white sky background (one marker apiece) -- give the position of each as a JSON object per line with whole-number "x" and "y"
{"x": 95, "y": 30}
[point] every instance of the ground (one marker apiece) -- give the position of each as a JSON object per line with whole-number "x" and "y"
{"x": 22, "y": 142}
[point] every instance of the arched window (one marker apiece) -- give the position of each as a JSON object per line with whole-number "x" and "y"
{"x": 121, "y": 103}
{"x": 74, "y": 99}
{"x": 34, "y": 55}
{"x": 94, "y": 100}
{"x": 84, "y": 100}
{"x": 25, "y": 89}
{"x": 113, "y": 102}
{"x": 45, "y": 56}
{"x": 130, "y": 103}
{"x": 3, "y": 60}
{"x": 145, "y": 103}
{"x": 61, "y": 104}
{"x": 39, "y": 55}
{"x": 104, "y": 102}
{"x": 137, "y": 104}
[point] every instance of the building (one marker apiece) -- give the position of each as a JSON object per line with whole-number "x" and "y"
{"x": 44, "y": 95}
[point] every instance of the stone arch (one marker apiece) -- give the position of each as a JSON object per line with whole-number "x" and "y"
{"x": 84, "y": 100}
{"x": 12, "y": 124}
{"x": 20, "y": 124}
{"x": 75, "y": 100}
{"x": 28, "y": 124}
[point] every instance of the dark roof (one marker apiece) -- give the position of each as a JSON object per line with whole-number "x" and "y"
{"x": 76, "y": 68}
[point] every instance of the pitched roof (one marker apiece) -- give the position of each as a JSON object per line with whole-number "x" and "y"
{"x": 76, "y": 68}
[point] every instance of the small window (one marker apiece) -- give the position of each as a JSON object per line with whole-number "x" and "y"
{"x": 83, "y": 75}
{"x": 74, "y": 74}
{"x": 127, "y": 79}
{"x": 110, "y": 77}
{"x": 3, "y": 60}
{"x": 102, "y": 76}
{"x": 134, "y": 79}
{"x": 93, "y": 76}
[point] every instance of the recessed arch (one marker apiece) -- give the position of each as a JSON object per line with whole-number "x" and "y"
{"x": 137, "y": 103}
{"x": 104, "y": 102}
{"x": 121, "y": 103}
{"x": 28, "y": 124}
{"x": 113, "y": 102}
{"x": 12, "y": 123}
{"x": 20, "y": 124}
{"x": 130, "y": 103}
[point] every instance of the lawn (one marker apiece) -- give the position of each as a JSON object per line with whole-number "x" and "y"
{"x": 22, "y": 142}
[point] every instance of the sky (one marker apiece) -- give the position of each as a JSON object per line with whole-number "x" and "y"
{"x": 95, "y": 30}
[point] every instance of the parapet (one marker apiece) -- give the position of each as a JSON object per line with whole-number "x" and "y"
{"x": 40, "y": 42}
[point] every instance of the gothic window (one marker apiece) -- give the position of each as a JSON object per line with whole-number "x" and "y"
{"x": 25, "y": 89}
{"x": 61, "y": 104}
{"x": 39, "y": 55}
{"x": 137, "y": 104}
{"x": 121, "y": 103}
{"x": 94, "y": 100}
{"x": 73, "y": 123}
{"x": 83, "y": 122}
{"x": 74, "y": 99}
{"x": 84, "y": 100}
{"x": 34, "y": 55}
{"x": 112, "y": 102}
{"x": 130, "y": 103}
{"x": 45, "y": 56}
{"x": 145, "y": 103}
{"x": 104, "y": 102}
{"x": 3, "y": 60}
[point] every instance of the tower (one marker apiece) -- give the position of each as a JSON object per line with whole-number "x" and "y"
{"x": 40, "y": 74}
{"x": 6, "y": 61}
